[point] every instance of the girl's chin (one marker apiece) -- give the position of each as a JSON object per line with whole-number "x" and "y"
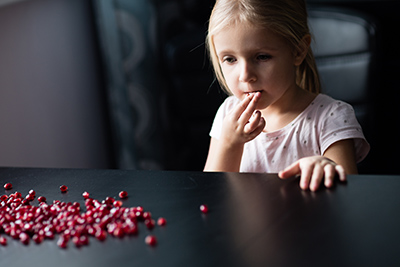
{"x": 262, "y": 104}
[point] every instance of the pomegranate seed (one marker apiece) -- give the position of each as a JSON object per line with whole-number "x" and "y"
{"x": 150, "y": 223}
{"x": 109, "y": 200}
{"x": 3, "y": 198}
{"x": 41, "y": 199}
{"x": 118, "y": 232}
{"x": 150, "y": 240}
{"x": 76, "y": 241}
{"x": 85, "y": 195}
{"x": 84, "y": 240}
{"x": 37, "y": 238}
{"x": 131, "y": 229}
{"x": 62, "y": 242}
{"x": 8, "y": 186}
{"x": 64, "y": 188}
{"x": 49, "y": 235}
{"x": 117, "y": 203}
{"x": 24, "y": 238}
{"x": 28, "y": 227}
{"x": 204, "y": 208}
{"x": 17, "y": 195}
{"x": 161, "y": 221}
{"x": 146, "y": 215}
{"x": 139, "y": 208}
{"x": 32, "y": 192}
{"x": 30, "y": 197}
{"x": 3, "y": 241}
{"x": 101, "y": 235}
{"x": 123, "y": 194}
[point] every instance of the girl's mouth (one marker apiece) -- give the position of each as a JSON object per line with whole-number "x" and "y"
{"x": 253, "y": 92}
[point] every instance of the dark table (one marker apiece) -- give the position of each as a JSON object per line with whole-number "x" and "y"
{"x": 253, "y": 220}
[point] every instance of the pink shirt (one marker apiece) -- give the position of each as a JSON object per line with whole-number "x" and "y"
{"x": 324, "y": 122}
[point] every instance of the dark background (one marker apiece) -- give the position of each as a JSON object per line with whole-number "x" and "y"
{"x": 55, "y": 104}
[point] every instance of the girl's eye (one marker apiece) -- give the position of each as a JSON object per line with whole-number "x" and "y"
{"x": 229, "y": 59}
{"x": 263, "y": 57}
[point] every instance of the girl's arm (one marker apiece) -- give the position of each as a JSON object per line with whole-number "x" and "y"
{"x": 338, "y": 159}
{"x": 241, "y": 125}
{"x": 223, "y": 159}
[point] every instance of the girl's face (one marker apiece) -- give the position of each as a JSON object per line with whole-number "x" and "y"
{"x": 253, "y": 60}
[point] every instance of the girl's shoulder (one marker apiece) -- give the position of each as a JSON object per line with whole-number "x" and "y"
{"x": 325, "y": 103}
{"x": 229, "y": 103}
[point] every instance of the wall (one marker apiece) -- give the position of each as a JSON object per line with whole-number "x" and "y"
{"x": 52, "y": 110}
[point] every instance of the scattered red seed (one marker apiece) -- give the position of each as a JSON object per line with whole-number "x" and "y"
{"x": 85, "y": 195}
{"x": 117, "y": 203}
{"x": 8, "y": 186}
{"x": 101, "y": 235}
{"x": 3, "y": 241}
{"x": 64, "y": 188}
{"x": 150, "y": 240}
{"x": 84, "y": 240}
{"x": 161, "y": 221}
{"x": 109, "y": 200}
{"x": 41, "y": 199}
{"x": 150, "y": 223}
{"x": 76, "y": 241}
{"x": 204, "y": 208}
{"x": 146, "y": 215}
{"x": 118, "y": 232}
{"x": 24, "y": 238}
{"x": 38, "y": 238}
{"x": 29, "y": 197}
{"x": 62, "y": 241}
{"x": 123, "y": 194}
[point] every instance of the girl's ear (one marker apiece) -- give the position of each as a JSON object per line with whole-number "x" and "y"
{"x": 302, "y": 50}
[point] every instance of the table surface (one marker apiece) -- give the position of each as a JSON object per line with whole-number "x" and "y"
{"x": 253, "y": 220}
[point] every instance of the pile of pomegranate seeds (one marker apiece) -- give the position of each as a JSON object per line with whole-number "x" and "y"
{"x": 21, "y": 220}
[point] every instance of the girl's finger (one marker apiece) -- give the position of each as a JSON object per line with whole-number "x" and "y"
{"x": 241, "y": 107}
{"x": 253, "y": 123}
{"x": 249, "y": 111}
{"x": 330, "y": 173}
{"x": 316, "y": 177}
{"x": 260, "y": 127}
{"x": 290, "y": 171}
{"x": 341, "y": 172}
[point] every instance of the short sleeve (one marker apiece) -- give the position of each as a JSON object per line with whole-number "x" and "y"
{"x": 224, "y": 109}
{"x": 340, "y": 123}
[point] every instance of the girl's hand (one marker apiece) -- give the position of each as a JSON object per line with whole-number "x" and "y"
{"x": 243, "y": 123}
{"x": 313, "y": 170}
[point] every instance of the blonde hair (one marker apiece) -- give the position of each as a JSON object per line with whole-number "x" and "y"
{"x": 287, "y": 18}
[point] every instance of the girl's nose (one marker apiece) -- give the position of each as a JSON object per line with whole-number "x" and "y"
{"x": 247, "y": 73}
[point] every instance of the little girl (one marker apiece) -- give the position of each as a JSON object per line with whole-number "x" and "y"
{"x": 275, "y": 119}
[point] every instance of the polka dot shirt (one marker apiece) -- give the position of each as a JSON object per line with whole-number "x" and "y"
{"x": 324, "y": 122}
